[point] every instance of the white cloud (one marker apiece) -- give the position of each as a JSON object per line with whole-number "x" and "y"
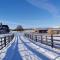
{"x": 44, "y": 4}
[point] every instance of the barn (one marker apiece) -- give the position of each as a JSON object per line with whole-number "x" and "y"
{"x": 41, "y": 30}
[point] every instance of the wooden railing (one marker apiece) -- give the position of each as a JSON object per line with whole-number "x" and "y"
{"x": 45, "y": 39}
{"x": 5, "y": 39}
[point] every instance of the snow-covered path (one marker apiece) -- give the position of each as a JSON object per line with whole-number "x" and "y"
{"x": 12, "y": 52}
{"x": 23, "y": 49}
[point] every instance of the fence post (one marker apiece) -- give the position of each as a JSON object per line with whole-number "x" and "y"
{"x": 1, "y": 43}
{"x": 5, "y": 41}
{"x": 29, "y": 36}
{"x": 8, "y": 39}
{"x": 41, "y": 39}
{"x": 32, "y": 37}
{"x": 46, "y": 40}
{"x": 52, "y": 41}
{"x": 36, "y": 38}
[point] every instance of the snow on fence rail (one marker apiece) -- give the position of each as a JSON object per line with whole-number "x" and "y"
{"x": 5, "y": 39}
{"x": 53, "y": 41}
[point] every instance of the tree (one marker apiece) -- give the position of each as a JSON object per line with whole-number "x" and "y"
{"x": 50, "y": 32}
{"x": 19, "y": 28}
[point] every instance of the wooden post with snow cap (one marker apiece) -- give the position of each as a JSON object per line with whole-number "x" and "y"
{"x": 1, "y": 43}
{"x": 5, "y": 41}
{"x": 36, "y": 38}
{"x": 32, "y": 36}
{"x": 52, "y": 45}
{"x": 46, "y": 40}
{"x": 50, "y": 31}
{"x": 41, "y": 39}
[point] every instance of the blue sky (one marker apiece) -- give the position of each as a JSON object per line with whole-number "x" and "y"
{"x": 30, "y": 13}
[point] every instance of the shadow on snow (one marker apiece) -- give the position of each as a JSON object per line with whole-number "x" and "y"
{"x": 36, "y": 52}
{"x": 12, "y": 52}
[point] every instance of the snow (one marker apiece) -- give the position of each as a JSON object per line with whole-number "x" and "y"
{"x": 45, "y": 52}
{"x": 26, "y": 53}
{"x": 3, "y": 35}
{"x": 22, "y": 48}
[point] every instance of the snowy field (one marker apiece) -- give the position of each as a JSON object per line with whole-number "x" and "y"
{"x": 22, "y": 48}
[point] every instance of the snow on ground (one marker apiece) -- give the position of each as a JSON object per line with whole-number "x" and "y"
{"x": 3, "y": 35}
{"x": 42, "y": 50}
{"x": 22, "y": 48}
{"x": 17, "y": 51}
{"x": 26, "y": 53}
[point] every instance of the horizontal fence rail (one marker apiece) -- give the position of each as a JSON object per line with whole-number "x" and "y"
{"x": 53, "y": 41}
{"x": 5, "y": 39}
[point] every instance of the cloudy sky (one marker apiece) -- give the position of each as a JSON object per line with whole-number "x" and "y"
{"x": 30, "y": 13}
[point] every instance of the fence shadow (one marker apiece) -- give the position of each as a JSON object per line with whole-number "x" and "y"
{"x": 41, "y": 56}
{"x": 12, "y": 52}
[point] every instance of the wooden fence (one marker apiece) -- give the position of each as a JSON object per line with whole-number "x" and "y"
{"x": 45, "y": 39}
{"x": 4, "y": 40}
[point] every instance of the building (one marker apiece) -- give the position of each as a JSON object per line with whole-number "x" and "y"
{"x": 55, "y": 30}
{"x": 41, "y": 30}
{"x": 46, "y": 30}
{"x": 4, "y": 29}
